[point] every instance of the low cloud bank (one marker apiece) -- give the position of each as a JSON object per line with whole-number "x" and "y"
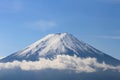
{"x": 61, "y": 62}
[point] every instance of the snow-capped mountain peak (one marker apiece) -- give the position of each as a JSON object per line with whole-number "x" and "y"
{"x": 59, "y": 44}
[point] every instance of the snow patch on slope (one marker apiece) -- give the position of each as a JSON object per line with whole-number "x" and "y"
{"x": 1, "y": 57}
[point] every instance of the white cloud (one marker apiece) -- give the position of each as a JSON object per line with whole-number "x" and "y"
{"x": 10, "y": 5}
{"x": 61, "y": 62}
{"x": 42, "y": 25}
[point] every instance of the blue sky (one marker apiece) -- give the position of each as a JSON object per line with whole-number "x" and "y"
{"x": 96, "y": 22}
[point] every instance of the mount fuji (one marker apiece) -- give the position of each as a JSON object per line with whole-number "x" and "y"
{"x": 60, "y": 44}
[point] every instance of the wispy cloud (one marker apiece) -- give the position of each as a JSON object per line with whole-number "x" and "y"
{"x": 10, "y": 5}
{"x": 110, "y": 1}
{"x": 42, "y": 25}
{"x": 109, "y": 37}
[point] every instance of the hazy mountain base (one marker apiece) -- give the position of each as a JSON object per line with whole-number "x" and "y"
{"x": 52, "y": 74}
{"x": 63, "y": 67}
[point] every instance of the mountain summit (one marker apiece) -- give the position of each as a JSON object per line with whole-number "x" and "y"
{"x": 59, "y": 44}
